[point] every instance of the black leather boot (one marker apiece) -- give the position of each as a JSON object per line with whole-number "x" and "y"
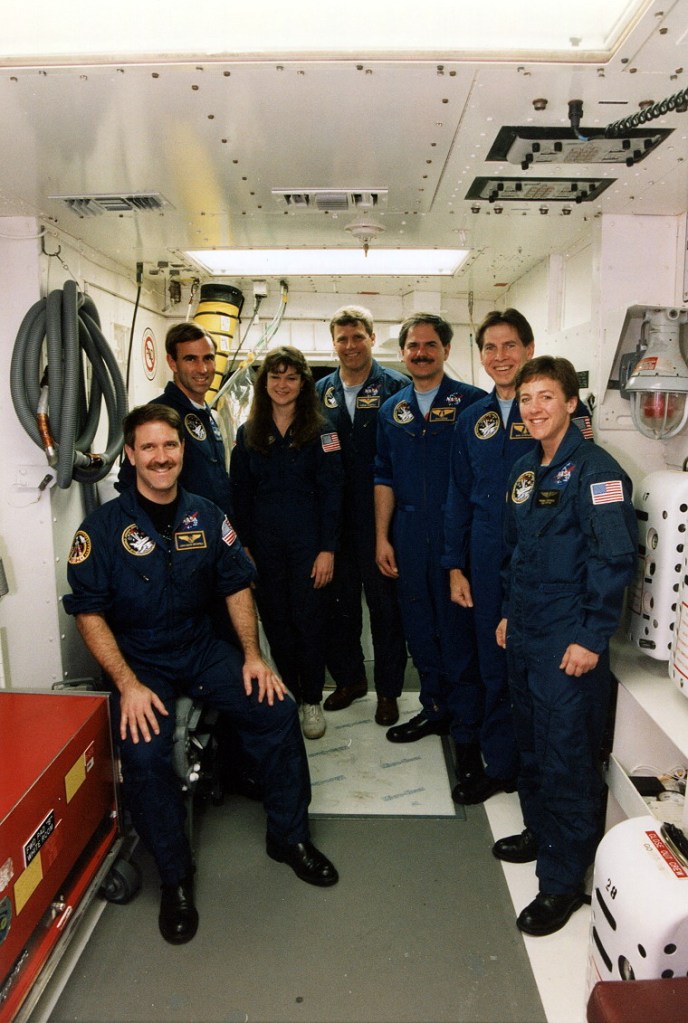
{"x": 475, "y": 786}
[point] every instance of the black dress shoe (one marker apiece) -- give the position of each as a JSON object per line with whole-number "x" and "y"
{"x": 417, "y": 728}
{"x": 344, "y": 696}
{"x": 178, "y": 920}
{"x": 305, "y": 860}
{"x": 478, "y": 789}
{"x": 517, "y": 848}
{"x": 548, "y": 913}
{"x": 387, "y": 712}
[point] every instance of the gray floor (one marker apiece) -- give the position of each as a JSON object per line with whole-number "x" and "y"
{"x": 420, "y": 928}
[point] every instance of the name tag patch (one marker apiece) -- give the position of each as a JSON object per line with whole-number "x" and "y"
{"x": 519, "y": 431}
{"x": 442, "y": 415}
{"x": 547, "y": 498}
{"x": 194, "y": 540}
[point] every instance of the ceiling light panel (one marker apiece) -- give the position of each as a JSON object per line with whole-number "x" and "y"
{"x": 527, "y": 145}
{"x": 494, "y": 189}
{"x": 336, "y": 262}
{"x": 586, "y": 28}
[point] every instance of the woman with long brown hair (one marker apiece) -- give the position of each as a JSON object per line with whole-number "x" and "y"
{"x": 286, "y": 480}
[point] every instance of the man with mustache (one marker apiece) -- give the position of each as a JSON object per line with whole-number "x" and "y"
{"x": 144, "y": 570}
{"x": 415, "y": 431}
{"x": 190, "y": 353}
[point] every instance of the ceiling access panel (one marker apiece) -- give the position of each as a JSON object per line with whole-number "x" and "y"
{"x": 524, "y": 190}
{"x": 527, "y": 146}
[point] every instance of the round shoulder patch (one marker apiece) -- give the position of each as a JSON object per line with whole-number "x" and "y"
{"x": 81, "y": 547}
{"x": 136, "y": 542}
{"x": 402, "y": 413}
{"x": 523, "y": 487}
{"x": 487, "y": 426}
{"x": 194, "y": 426}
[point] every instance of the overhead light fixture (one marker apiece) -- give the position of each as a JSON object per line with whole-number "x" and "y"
{"x": 329, "y": 262}
{"x": 658, "y": 383}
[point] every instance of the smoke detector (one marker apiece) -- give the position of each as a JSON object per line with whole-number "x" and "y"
{"x": 365, "y": 230}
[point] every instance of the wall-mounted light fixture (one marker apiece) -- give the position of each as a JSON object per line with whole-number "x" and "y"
{"x": 658, "y": 382}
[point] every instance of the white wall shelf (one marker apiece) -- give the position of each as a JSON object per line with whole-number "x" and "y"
{"x": 650, "y": 731}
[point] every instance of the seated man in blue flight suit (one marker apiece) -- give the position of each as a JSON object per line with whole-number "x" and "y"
{"x": 571, "y": 538}
{"x": 489, "y": 437}
{"x": 190, "y": 355}
{"x": 144, "y": 570}
{"x": 415, "y": 430}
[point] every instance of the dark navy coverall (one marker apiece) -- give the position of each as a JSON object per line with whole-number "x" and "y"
{"x": 483, "y": 453}
{"x": 205, "y": 469}
{"x": 355, "y": 568}
{"x": 155, "y": 597}
{"x": 287, "y": 509}
{"x": 413, "y": 459}
{"x": 571, "y": 534}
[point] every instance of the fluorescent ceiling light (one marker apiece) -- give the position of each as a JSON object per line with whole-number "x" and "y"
{"x": 330, "y": 262}
{"x": 356, "y": 29}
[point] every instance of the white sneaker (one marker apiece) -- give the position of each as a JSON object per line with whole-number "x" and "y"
{"x": 313, "y": 720}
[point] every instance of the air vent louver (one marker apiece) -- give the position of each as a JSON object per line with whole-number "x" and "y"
{"x": 330, "y": 200}
{"x": 96, "y": 205}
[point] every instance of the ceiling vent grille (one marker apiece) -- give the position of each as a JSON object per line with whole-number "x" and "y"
{"x": 330, "y": 200}
{"x": 96, "y": 205}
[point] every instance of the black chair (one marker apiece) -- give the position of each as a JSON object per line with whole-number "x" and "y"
{"x": 195, "y": 755}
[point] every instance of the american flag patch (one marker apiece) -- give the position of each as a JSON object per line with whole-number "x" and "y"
{"x": 330, "y": 441}
{"x": 606, "y": 493}
{"x": 585, "y": 426}
{"x": 228, "y": 534}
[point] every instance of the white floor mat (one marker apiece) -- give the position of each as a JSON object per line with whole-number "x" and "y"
{"x": 355, "y": 771}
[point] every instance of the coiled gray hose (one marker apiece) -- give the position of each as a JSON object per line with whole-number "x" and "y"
{"x": 69, "y": 321}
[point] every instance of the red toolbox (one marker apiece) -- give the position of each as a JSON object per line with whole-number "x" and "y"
{"x": 58, "y": 825}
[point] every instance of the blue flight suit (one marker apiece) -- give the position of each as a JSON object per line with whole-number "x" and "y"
{"x": 287, "y": 509}
{"x": 413, "y": 455}
{"x": 483, "y": 453}
{"x": 355, "y": 568}
{"x": 571, "y": 534}
{"x": 205, "y": 469}
{"x": 155, "y": 595}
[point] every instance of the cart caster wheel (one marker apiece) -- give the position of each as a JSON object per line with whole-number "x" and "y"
{"x": 122, "y": 883}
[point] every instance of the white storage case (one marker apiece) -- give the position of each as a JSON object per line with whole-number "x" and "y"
{"x": 639, "y": 919}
